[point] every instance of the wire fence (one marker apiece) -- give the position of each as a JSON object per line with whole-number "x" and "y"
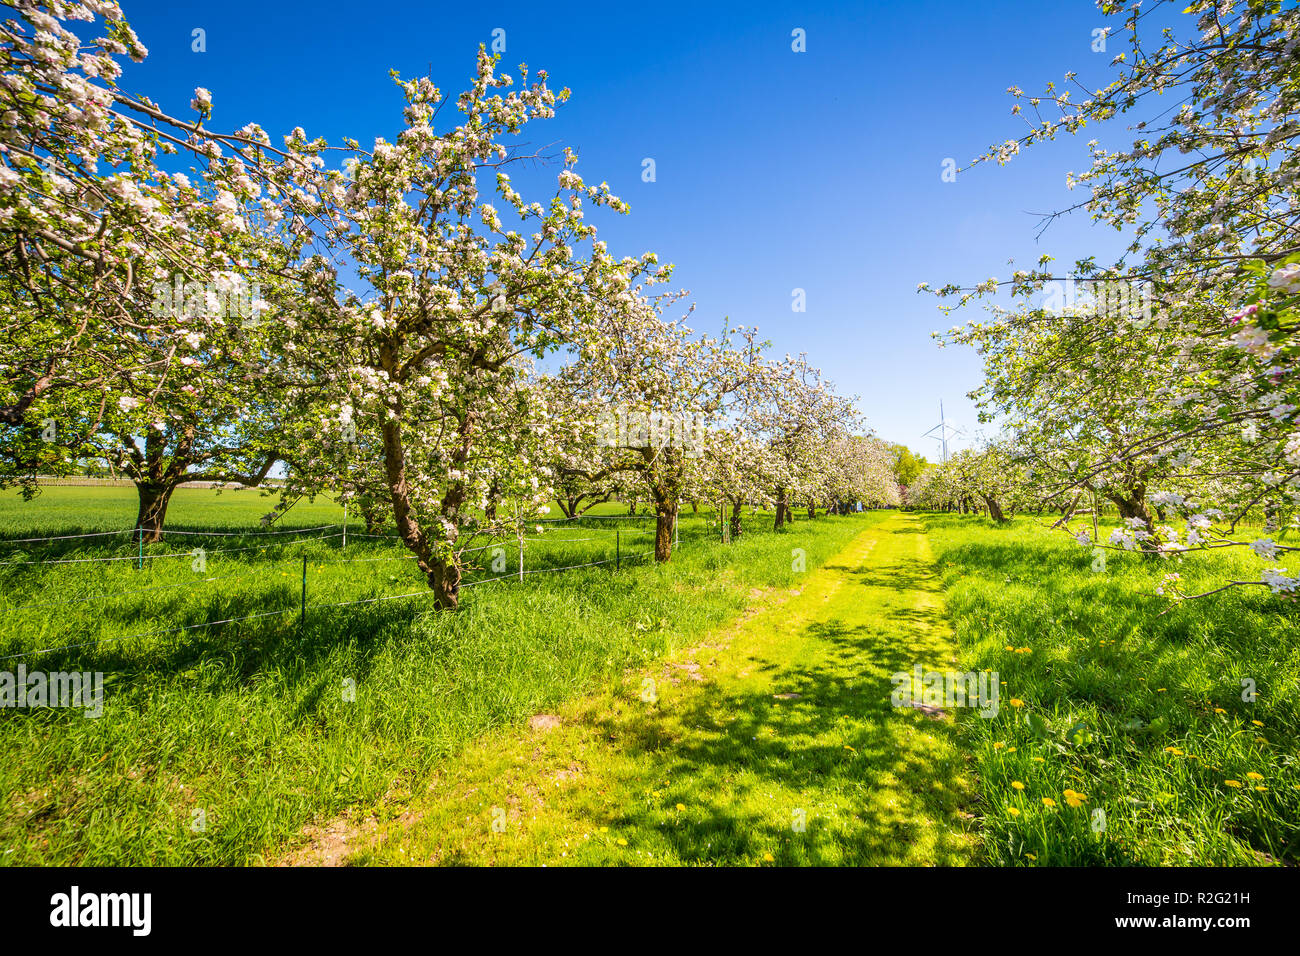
{"x": 302, "y": 607}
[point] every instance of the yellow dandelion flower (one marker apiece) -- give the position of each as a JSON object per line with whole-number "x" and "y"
{"x": 1261, "y": 789}
{"x": 769, "y": 858}
{"x": 1251, "y": 775}
{"x": 1049, "y": 802}
{"x": 1233, "y": 783}
{"x": 999, "y": 745}
{"x": 622, "y": 842}
{"x": 1075, "y": 800}
{"x": 1009, "y": 648}
{"x": 1032, "y": 856}
{"x": 1017, "y": 785}
{"x": 1258, "y": 723}
{"x": 1016, "y": 702}
{"x": 1036, "y": 759}
{"x": 681, "y": 807}
{"x": 1161, "y": 690}
{"x": 1011, "y": 750}
{"x": 1219, "y": 710}
{"x": 848, "y": 748}
{"x": 1014, "y": 811}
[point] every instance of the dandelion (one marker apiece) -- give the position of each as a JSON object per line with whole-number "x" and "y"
{"x": 1258, "y": 723}
{"x": 1233, "y": 783}
{"x": 1017, "y": 785}
{"x": 999, "y": 745}
{"x": 1049, "y": 802}
{"x": 769, "y": 858}
{"x": 1251, "y": 775}
{"x": 1261, "y": 789}
{"x": 681, "y": 807}
{"x": 622, "y": 842}
{"x": 1219, "y": 710}
{"x": 1014, "y": 811}
{"x": 1032, "y": 857}
{"x": 1016, "y": 702}
{"x": 1036, "y": 759}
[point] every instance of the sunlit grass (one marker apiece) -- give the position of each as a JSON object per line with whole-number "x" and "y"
{"x": 776, "y": 745}
{"x": 1156, "y": 698}
{"x": 249, "y": 722}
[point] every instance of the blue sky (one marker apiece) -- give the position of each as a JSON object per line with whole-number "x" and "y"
{"x": 775, "y": 170}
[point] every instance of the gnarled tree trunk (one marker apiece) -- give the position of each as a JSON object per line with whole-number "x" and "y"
{"x": 152, "y": 514}
{"x": 665, "y": 522}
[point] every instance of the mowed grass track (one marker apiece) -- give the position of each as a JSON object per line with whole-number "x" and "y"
{"x": 251, "y": 722}
{"x": 773, "y": 743}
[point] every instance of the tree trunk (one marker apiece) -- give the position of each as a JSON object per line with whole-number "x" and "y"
{"x": 443, "y": 575}
{"x": 444, "y": 579}
{"x": 780, "y": 509}
{"x": 370, "y": 513}
{"x": 1272, "y": 516}
{"x": 995, "y": 509}
{"x": 812, "y": 509}
{"x": 735, "y": 520}
{"x": 665, "y": 521}
{"x": 493, "y": 500}
{"x": 152, "y": 513}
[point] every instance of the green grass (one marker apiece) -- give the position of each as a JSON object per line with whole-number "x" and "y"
{"x": 1157, "y": 700}
{"x": 62, "y": 509}
{"x": 773, "y": 744}
{"x": 248, "y": 722}
{"x": 1138, "y": 713}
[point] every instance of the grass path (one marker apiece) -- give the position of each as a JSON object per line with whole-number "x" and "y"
{"x": 719, "y": 756}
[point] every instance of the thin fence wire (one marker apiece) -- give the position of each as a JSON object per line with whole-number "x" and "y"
{"x": 302, "y": 607}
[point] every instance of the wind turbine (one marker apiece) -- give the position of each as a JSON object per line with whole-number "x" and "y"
{"x": 945, "y": 431}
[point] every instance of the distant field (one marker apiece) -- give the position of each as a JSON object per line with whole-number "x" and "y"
{"x": 65, "y": 510}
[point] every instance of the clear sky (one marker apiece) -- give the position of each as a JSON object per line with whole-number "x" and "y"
{"x": 775, "y": 170}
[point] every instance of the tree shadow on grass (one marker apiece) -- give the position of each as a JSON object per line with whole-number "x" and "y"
{"x": 876, "y": 784}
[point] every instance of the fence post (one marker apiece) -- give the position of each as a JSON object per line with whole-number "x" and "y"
{"x": 618, "y": 551}
{"x": 139, "y": 565}
{"x": 345, "y": 524}
{"x": 302, "y": 615}
{"x": 521, "y": 557}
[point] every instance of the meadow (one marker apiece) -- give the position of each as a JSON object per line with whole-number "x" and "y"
{"x": 1131, "y": 730}
{"x": 219, "y": 743}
